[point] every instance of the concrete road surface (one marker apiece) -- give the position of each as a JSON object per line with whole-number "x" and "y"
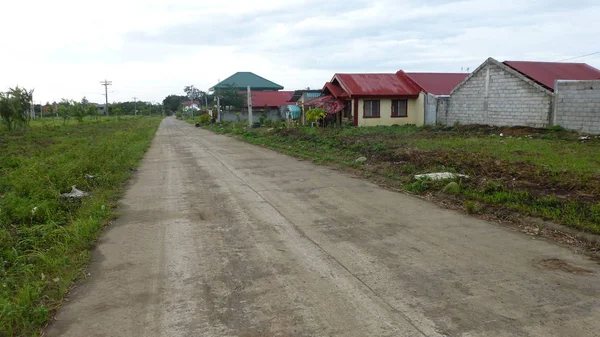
{"x": 221, "y": 238}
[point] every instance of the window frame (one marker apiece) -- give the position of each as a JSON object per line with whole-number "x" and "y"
{"x": 394, "y": 103}
{"x": 371, "y": 102}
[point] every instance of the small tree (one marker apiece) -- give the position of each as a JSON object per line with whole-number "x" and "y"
{"x": 78, "y": 111}
{"x": 64, "y": 110}
{"x": 116, "y": 111}
{"x": 314, "y": 115}
{"x": 14, "y": 106}
{"x": 92, "y": 111}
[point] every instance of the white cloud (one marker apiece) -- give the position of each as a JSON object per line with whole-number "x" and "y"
{"x": 153, "y": 48}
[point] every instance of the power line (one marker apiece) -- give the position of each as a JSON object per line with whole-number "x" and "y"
{"x": 106, "y": 83}
{"x": 576, "y": 57}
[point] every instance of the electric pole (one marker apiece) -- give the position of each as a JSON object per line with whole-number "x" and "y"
{"x": 106, "y": 83}
{"x": 135, "y": 106}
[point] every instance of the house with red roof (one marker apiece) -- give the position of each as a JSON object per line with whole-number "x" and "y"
{"x": 372, "y": 99}
{"x": 267, "y": 96}
{"x": 191, "y": 105}
{"x": 272, "y": 100}
{"x": 516, "y": 93}
{"x": 384, "y": 99}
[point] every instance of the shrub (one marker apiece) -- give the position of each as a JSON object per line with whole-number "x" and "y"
{"x": 314, "y": 115}
{"x": 204, "y": 119}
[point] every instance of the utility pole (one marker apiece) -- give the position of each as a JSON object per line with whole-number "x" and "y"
{"x": 218, "y": 108}
{"x": 106, "y": 83}
{"x": 135, "y": 106}
{"x": 249, "y": 107}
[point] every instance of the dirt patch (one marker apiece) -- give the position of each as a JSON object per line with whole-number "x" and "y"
{"x": 514, "y": 131}
{"x": 518, "y": 176}
{"x": 557, "y": 264}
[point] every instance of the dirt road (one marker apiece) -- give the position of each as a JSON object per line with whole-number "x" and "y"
{"x": 220, "y": 238}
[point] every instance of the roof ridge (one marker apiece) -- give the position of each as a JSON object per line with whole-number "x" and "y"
{"x": 554, "y": 62}
{"x": 433, "y": 72}
{"x": 265, "y": 79}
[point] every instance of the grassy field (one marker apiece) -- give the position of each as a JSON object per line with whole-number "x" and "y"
{"x": 549, "y": 174}
{"x": 44, "y": 239}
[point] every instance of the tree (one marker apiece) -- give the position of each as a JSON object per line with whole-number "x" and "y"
{"x": 116, "y": 111}
{"x": 92, "y": 111}
{"x": 64, "y": 110}
{"x": 192, "y": 92}
{"x": 85, "y": 102}
{"x": 78, "y": 111}
{"x": 173, "y": 102}
{"x": 14, "y": 107}
{"x": 231, "y": 98}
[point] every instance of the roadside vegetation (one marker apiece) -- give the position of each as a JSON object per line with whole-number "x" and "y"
{"x": 44, "y": 238}
{"x": 551, "y": 174}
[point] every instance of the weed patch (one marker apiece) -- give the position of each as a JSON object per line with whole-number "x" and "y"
{"x": 44, "y": 239}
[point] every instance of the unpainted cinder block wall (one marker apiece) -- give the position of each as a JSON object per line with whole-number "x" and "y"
{"x": 577, "y": 105}
{"x": 494, "y": 96}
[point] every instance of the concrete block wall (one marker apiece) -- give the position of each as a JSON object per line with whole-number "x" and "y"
{"x": 442, "y": 108}
{"x": 436, "y": 109}
{"x": 577, "y": 105}
{"x": 230, "y": 116}
{"x": 496, "y": 96}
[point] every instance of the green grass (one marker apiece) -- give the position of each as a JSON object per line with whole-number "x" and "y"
{"x": 544, "y": 173}
{"x": 44, "y": 239}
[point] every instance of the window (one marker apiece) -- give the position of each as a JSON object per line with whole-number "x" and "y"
{"x": 371, "y": 109}
{"x": 400, "y": 108}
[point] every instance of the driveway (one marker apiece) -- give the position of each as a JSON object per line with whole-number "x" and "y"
{"x": 217, "y": 237}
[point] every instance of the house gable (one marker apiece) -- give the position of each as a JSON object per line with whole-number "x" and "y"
{"x": 494, "y": 94}
{"x": 491, "y": 61}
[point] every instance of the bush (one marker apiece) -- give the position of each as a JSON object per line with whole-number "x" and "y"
{"x": 204, "y": 119}
{"x": 314, "y": 115}
{"x": 179, "y": 115}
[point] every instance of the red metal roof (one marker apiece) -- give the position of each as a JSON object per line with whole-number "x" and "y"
{"x": 377, "y": 85}
{"x": 545, "y": 73}
{"x": 270, "y": 98}
{"x": 335, "y": 90}
{"x": 188, "y": 103}
{"x": 438, "y": 83}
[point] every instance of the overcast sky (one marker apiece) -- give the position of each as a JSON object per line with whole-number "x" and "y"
{"x": 152, "y": 48}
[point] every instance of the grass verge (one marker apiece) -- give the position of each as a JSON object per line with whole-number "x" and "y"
{"x": 44, "y": 239}
{"x": 550, "y": 174}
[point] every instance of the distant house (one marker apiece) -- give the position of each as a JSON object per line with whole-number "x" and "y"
{"x": 295, "y": 106}
{"x": 191, "y": 105}
{"x": 520, "y": 93}
{"x": 267, "y": 96}
{"x": 101, "y": 109}
{"x": 243, "y": 79}
{"x": 269, "y": 100}
{"x": 437, "y": 87}
{"x": 373, "y": 99}
{"x": 301, "y": 96}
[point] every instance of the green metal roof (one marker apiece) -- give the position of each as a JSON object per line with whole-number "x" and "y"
{"x": 241, "y": 80}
